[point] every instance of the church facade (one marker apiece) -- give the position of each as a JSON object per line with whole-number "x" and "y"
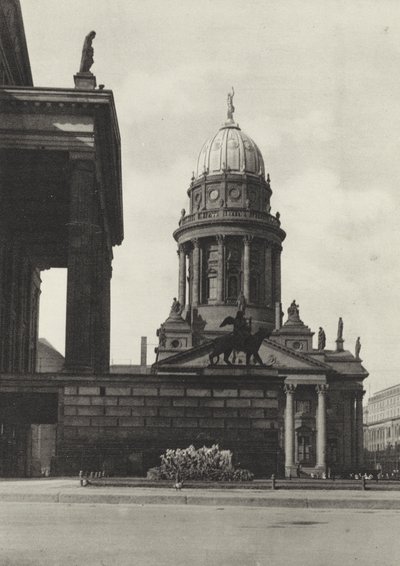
{"x": 301, "y": 405}
{"x": 229, "y": 369}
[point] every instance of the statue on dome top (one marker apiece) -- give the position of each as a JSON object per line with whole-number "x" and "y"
{"x": 231, "y": 108}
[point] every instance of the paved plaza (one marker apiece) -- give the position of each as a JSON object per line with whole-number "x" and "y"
{"x": 49, "y": 534}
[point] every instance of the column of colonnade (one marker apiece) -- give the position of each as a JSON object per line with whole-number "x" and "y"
{"x": 272, "y": 273}
{"x": 321, "y": 425}
{"x": 87, "y": 339}
{"x": 289, "y": 428}
{"x": 290, "y": 460}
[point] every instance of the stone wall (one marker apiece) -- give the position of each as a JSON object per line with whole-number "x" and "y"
{"x": 123, "y": 427}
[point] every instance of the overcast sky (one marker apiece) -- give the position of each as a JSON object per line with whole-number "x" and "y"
{"x": 318, "y": 89}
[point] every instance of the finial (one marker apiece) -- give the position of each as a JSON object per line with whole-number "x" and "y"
{"x": 268, "y": 179}
{"x": 231, "y": 108}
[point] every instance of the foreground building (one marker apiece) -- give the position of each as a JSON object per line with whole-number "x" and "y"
{"x": 60, "y": 188}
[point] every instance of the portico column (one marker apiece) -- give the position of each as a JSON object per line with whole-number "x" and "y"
{"x": 79, "y": 354}
{"x": 246, "y": 267}
{"x": 220, "y": 274}
{"x": 359, "y": 428}
{"x": 196, "y": 272}
{"x": 289, "y": 428}
{"x": 321, "y": 426}
{"x": 182, "y": 276}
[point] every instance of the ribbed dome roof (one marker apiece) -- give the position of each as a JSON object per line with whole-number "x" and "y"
{"x": 230, "y": 150}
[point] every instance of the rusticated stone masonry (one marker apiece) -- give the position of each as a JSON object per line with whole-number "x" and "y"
{"x": 124, "y": 429}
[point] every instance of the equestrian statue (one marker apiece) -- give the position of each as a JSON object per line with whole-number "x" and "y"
{"x": 240, "y": 340}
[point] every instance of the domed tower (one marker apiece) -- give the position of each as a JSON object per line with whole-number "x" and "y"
{"x": 229, "y": 245}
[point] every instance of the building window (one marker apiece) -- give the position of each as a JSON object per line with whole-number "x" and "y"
{"x": 303, "y": 406}
{"x": 211, "y": 287}
{"x": 303, "y": 448}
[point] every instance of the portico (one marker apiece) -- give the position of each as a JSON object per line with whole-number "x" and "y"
{"x": 61, "y": 207}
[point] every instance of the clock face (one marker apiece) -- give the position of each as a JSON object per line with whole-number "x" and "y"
{"x": 214, "y": 194}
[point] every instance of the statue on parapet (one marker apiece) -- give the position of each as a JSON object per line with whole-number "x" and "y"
{"x": 87, "y": 53}
{"x": 176, "y": 307}
{"x": 293, "y": 312}
{"x": 358, "y": 348}
{"x": 340, "y": 329}
{"x": 321, "y": 339}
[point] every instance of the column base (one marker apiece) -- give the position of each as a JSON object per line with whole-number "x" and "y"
{"x": 290, "y": 471}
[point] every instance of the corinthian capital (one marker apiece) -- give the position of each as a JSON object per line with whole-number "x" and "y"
{"x": 289, "y": 388}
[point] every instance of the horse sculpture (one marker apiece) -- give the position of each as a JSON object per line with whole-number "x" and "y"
{"x": 239, "y": 341}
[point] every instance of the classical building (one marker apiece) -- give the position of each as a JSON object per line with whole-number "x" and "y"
{"x": 61, "y": 202}
{"x": 305, "y": 405}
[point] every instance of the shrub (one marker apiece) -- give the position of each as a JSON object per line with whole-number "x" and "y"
{"x": 210, "y": 464}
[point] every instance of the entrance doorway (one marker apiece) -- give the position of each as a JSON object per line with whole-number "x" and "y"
{"x": 28, "y": 431}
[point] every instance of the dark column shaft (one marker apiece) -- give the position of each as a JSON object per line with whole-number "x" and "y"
{"x": 79, "y": 347}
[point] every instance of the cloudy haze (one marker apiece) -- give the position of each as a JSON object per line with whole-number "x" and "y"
{"x": 317, "y": 87}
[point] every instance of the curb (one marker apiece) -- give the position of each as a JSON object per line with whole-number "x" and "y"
{"x": 212, "y": 500}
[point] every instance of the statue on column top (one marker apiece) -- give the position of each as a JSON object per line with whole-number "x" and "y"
{"x": 87, "y": 53}
{"x": 231, "y": 108}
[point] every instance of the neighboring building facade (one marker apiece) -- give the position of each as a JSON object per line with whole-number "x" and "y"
{"x": 382, "y": 420}
{"x": 62, "y": 207}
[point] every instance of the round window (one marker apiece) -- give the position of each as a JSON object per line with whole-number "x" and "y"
{"x": 234, "y": 193}
{"x": 214, "y": 194}
{"x": 175, "y": 343}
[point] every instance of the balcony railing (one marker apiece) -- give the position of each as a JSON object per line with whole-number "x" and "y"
{"x": 227, "y": 213}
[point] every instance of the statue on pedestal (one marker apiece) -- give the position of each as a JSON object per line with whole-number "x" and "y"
{"x": 87, "y": 53}
{"x": 358, "y": 348}
{"x": 321, "y": 339}
{"x": 293, "y": 312}
{"x": 340, "y": 329}
{"x": 176, "y": 308}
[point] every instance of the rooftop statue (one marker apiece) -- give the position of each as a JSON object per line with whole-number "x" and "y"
{"x": 176, "y": 308}
{"x": 231, "y": 108}
{"x": 321, "y": 339}
{"x": 87, "y": 53}
{"x": 293, "y": 312}
{"x": 340, "y": 329}
{"x": 358, "y": 348}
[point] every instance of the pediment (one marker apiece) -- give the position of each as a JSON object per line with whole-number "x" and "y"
{"x": 273, "y": 355}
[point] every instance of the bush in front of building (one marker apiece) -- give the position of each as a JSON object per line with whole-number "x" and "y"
{"x": 203, "y": 464}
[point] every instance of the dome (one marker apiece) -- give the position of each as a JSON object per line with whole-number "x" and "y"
{"x": 231, "y": 150}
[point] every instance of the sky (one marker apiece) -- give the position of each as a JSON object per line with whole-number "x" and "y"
{"x": 317, "y": 87}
